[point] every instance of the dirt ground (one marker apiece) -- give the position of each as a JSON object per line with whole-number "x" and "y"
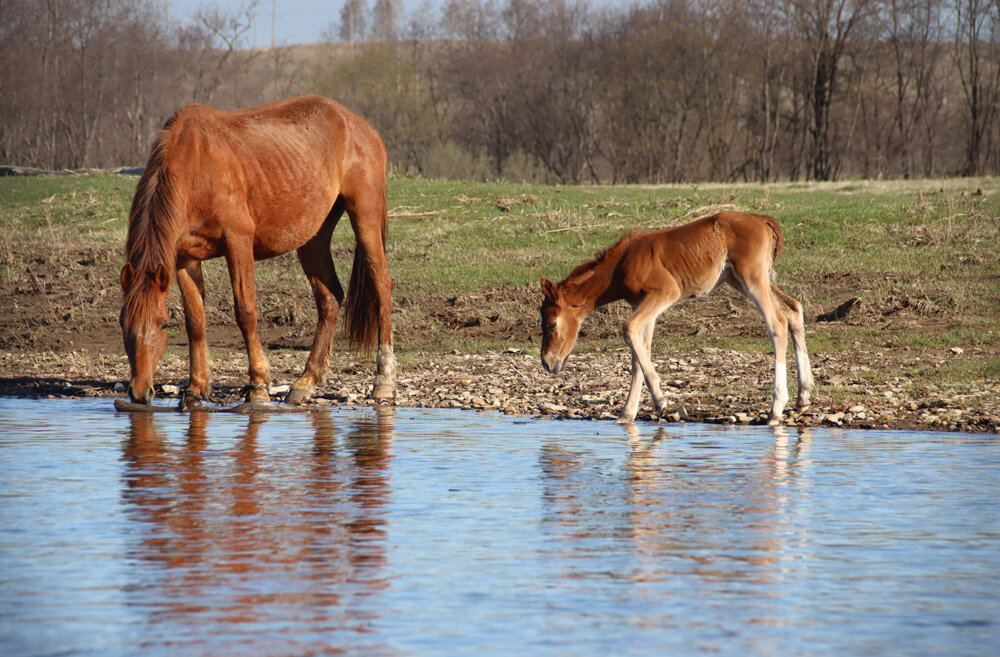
{"x": 59, "y": 337}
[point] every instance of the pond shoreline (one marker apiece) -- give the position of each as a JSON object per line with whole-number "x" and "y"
{"x": 710, "y": 385}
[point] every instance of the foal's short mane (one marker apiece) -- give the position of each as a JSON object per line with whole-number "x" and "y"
{"x": 153, "y": 217}
{"x": 607, "y": 256}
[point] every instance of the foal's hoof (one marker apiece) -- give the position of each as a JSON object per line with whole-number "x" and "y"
{"x": 773, "y": 420}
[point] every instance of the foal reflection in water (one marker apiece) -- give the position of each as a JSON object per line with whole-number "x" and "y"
{"x": 653, "y": 271}
{"x": 274, "y": 534}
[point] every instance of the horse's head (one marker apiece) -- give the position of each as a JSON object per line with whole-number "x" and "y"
{"x": 560, "y": 326}
{"x": 144, "y": 326}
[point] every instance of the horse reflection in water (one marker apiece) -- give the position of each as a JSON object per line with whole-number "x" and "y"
{"x": 273, "y": 536}
{"x": 688, "y": 511}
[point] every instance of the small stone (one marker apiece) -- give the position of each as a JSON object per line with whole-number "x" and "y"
{"x": 119, "y": 387}
{"x": 958, "y": 351}
{"x": 169, "y": 389}
{"x": 278, "y": 390}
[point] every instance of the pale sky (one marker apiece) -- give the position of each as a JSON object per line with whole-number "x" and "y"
{"x": 296, "y": 21}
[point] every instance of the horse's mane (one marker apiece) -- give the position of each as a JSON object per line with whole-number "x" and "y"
{"x": 602, "y": 258}
{"x": 153, "y": 216}
{"x": 152, "y": 225}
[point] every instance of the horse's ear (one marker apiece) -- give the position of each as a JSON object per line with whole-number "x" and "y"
{"x": 162, "y": 277}
{"x": 128, "y": 275}
{"x": 550, "y": 289}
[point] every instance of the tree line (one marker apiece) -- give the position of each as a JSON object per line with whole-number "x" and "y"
{"x": 545, "y": 90}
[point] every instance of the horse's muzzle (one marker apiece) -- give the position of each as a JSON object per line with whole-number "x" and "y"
{"x": 141, "y": 396}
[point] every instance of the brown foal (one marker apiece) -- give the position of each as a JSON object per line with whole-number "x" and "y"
{"x": 653, "y": 271}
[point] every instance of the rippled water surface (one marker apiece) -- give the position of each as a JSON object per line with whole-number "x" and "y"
{"x": 430, "y": 532}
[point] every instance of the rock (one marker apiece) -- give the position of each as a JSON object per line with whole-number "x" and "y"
{"x": 169, "y": 389}
{"x": 958, "y": 351}
{"x": 836, "y": 419}
{"x": 278, "y": 390}
{"x": 119, "y": 387}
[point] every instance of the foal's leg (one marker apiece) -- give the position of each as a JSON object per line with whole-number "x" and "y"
{"x": 635, "y": 387}
{"x": 316, "y": 262}
{"x": 367, "y": 210}
{"x": 792, "y": 311}
{"x": 757, "y": 286}
{"x": 239, "y": 258}
{"x": 192, "y": 287}
{"x": 639, "y": 341}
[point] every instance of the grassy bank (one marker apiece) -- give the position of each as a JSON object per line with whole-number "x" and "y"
{"x": 920, "y": 256}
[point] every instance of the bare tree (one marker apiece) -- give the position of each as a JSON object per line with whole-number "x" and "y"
{"x": 385, "y": 20}
{"x": 977, "y": 58}
{"x": 825, "y": 28}
{"x": 353, "y": 20}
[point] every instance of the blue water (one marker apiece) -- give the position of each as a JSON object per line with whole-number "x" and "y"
{"x": 438, "y": 532}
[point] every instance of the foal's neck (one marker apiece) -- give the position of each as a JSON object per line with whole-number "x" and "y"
{"x": 594, "y": 288}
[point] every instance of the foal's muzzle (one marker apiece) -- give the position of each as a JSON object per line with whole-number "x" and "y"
{"x": 555, "y": 367}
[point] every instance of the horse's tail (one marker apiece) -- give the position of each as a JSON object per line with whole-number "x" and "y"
{"x": 362, "y": 307}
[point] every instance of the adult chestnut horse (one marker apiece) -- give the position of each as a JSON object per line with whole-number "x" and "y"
{"x": 247, "y": 185}
{"x": 652, "y": 271}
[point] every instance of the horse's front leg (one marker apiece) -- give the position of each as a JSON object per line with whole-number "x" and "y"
{"x": 241, "y": 272}
{"x": 635, "y": 332}
{"x": 635, "y": 387}
{"x": 192, "y": 287}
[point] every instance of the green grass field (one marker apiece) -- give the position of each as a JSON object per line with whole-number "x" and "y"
{"x": 922, "y": 250}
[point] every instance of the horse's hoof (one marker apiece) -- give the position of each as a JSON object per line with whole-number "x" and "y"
{"x": 298, "y": 396}
{"x": 255, "y": 393}
{"x": 189, "y": 401}
{"x": 773, "y": 420}
{"x": 625, "y": 419}
{"x": 801, "y": 404}
{"x": 384, "y": 393}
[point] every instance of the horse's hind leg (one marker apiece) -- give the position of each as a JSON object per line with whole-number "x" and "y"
{"x": 371, "y": 322}
{"x": 792, "y": 310}
{"x": 756, "y": 285}
{"x": 316, "y": 262}
{"x": 192, "y": 287}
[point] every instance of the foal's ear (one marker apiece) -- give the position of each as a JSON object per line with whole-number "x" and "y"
{"x": 128, "y": 275}
{"x": 550, "y": 289}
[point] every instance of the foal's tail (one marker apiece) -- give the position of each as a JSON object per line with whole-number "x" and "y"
{"x": 363, "y": 306}
{"x": 779, "y": 239}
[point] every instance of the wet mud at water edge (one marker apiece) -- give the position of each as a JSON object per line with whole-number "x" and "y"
{"x": 401, "y": 531}
{"x": 707, "y": 385}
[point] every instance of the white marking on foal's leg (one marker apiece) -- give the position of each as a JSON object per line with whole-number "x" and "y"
{"x": 804, "y": 373}
{"x": 780, "y": 392}
{"x": 632, "y": 401}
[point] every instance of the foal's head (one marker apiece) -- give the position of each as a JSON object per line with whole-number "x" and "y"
{"x": 560, "y": 326}
{"x": 144, "y": 326}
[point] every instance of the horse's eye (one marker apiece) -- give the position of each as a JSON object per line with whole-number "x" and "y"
{"x": 164, "y": 326}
